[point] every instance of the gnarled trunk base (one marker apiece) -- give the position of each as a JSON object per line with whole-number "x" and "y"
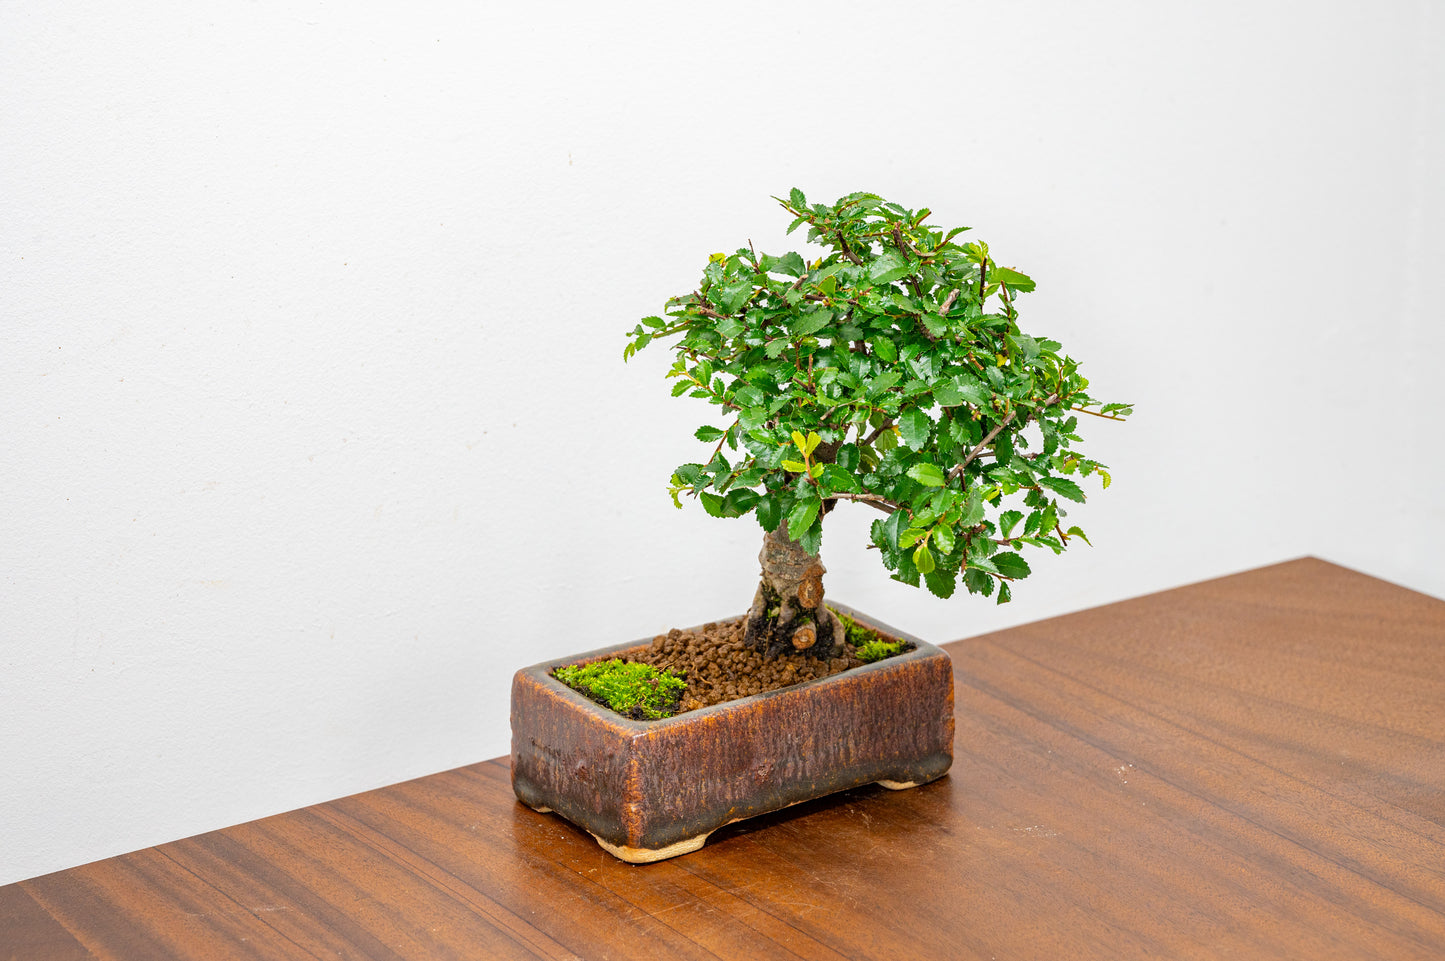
{"x": 788, "y": 614}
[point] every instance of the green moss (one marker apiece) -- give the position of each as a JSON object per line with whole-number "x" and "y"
{"x": 877, "y": 650}
{"x": 638, "y": 691}
{"x": 868, "y": 644}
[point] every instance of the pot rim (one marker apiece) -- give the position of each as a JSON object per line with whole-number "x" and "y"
{"x": 543, "y": 671}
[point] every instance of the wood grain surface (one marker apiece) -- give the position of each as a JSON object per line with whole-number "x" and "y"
{"x": 1251, "y": 767}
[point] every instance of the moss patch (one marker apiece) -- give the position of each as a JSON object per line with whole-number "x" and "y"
{"x": 868, "y": 644}
{"x": 639, "y": 691}
{"x": 877, "y": 650}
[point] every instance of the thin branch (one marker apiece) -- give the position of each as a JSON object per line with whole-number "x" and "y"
{"x": 1084, "y": 410}
{"x": 872, "y": 500}
{"x": 886, "y": 425}
{"x": 947, "y": 305}
{"x": 953, "y": 474}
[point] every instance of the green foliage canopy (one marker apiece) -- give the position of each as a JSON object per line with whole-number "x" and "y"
{"x": 892, "y": 372}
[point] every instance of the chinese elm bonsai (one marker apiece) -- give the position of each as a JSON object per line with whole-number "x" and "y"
{"x": 890, "y": 371}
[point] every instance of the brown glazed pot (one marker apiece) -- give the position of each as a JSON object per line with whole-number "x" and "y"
{"x": 649, "y": 790}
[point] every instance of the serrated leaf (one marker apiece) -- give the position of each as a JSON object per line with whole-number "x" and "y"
{"x": 910, "y": 537}
{"x": 712, "y": 503}
{"x": 883, "y": 382}
{"x": 791, "y": 264}
{"x": 943, "y": 539}
{"x": 972, "y": 508}
{"x": 769, "y": 511}
{"x": 709, "y": 434}
{"x": 1007, "y": 521}
{"x": 946, "y": 393}
{"x": 1076, "y": 532}
{"x": 815, "y": 471}
{"x": 796, "y": 466}
{"x": 1010, "y": 564}
{"x": 733, "y": 296}
{"x": 891, "y": 530}
{"x": 923, "y": 559}
{"x": 978, "y": 582}
{"x": 915, "y": 426}
{"x": 972, "y": 391}
{"x": 929, "y": 475}
{"x": 942, "y": 581}
{"x": 801, "y": 517}
{"x": 885, "y": 349}
{"x": 811, "y": 322}
{"x": 775, "y": 347}
{"x": 1005, "y": 593}
{"x": 1063, "y": 487}
{"x": 739, "y": 501}
{"x": 888, "y": 268}
{"x": 797, "y": 199}
{"x": 1014, "y": 279}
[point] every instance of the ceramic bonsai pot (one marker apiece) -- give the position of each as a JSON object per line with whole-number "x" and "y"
{"x": 649, "y": 790}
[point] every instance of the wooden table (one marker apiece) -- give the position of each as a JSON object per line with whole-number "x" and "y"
{"x": 1251, "y": 767}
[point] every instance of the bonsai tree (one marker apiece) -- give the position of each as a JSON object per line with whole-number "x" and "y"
{"x": 891, "y": 372}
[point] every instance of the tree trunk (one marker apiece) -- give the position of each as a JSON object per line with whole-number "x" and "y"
{"x": 788, "y": 615}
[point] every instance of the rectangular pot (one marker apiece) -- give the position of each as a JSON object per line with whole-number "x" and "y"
{"x": 648, "y": 790}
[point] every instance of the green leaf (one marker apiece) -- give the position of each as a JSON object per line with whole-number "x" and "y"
{"x": 888, "y": 268}
{"x": 739, "y": 501}
{"x": 892, "y": 529}
{"x": 1014, "y": 279}
{"x": 1003, "y": 446}
{"x": 943, "y": 539}
{"x": 929, "y": 475}
{"x": 972, "y": 391}
{"x": 1076, "y": 532}
{"x": 910, "y": 537}
{"x": 770, "y": 511}
{"x": 1008, "y": 520}
{"x": 733, "y": 296}
{"x": 810, "y": 322}
{"x": 1010, "y": 564}
{"x": 1063, "y": 487}
{"x": 847, "y": 457}
{"x": 942, "y": 581}
{"x": 709, "y": 434}
{"x": 712, "y": 503}
{"x": 972, "y": 508}
{"x": 816, "y": 471}
{"x": 1005, "y": 594}
{"x": 923, "y": 559}
{"x": 797, "y": 199}
{"x": 801, "y": 517}
{"x": 915, "y": 426}
{"x": 946, "y": 393}
{"x": 978, "y": 582}
{"x": 797, "y": 467}
{"x": 883, "y": 382}
{"x": 791, "y": 264}
{"x": 885, "y": 349}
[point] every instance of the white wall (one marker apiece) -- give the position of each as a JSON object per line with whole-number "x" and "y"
{"x": 312, "y": 410}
